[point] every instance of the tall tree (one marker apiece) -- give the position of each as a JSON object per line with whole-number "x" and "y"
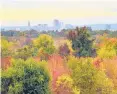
{"x": 45, "y": 45}
{"x": 81, "y": 41}
{"x": 5, "y": 47}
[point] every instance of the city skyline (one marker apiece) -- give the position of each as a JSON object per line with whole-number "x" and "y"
{"x": 58, "y": 25}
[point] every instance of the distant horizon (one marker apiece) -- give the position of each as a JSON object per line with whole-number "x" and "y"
{"x": 95, "y": 26}
{"x": 51, "y": 24}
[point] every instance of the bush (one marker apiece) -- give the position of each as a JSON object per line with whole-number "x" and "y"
{"x": 87, "y": 78}
{"x": 25, "y": 77}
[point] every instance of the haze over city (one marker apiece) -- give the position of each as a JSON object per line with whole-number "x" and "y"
{"x": 76, "y": 12}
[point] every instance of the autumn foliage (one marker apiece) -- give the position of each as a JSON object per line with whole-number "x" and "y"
{"x": 64, "y": 50}
{"x": 75, "y": 64}
{"x": 57, "y": 67}
{"x": 5, "y": 62}
{"x": 110, "y": 66}
{"x": 107, "y": 47}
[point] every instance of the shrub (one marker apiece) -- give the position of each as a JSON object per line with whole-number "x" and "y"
{"x": 87, "y": 78}
{"x": 25, "y": 77}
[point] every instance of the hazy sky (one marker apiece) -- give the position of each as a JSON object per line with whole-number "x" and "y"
{"x": 18, "y": 12}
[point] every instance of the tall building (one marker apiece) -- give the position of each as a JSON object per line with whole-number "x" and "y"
{"x": 28, "y": 23}
{"x": 57, "y": 24}
{"x": 29, "y": 26}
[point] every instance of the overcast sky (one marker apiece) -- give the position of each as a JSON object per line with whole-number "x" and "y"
{"x": 18, "y": 12}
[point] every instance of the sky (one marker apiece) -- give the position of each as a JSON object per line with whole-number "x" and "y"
{"x": 76, "y": 12}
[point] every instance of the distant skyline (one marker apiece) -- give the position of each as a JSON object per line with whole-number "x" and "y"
{"x": 76, "y": 12}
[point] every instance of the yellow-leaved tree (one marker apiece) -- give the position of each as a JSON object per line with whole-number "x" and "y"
{"x": 5, "y": 47}
{"x": 107, "y": 48}
{"x": 45, "y": 45}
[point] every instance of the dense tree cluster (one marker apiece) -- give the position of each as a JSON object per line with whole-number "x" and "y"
{"x": 66, "y": 62}
{"x": 25, "y": 77}
{"x": 87, "y": 78}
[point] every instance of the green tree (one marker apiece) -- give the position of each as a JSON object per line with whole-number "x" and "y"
{"x": 23, "y": 53}
{"x": 25, "y": 77}
{"x": 5, "y": 47}
{"x": 81, "y": 41}
{"x": 45, "y": 44}
{"x": 89, "y": 79}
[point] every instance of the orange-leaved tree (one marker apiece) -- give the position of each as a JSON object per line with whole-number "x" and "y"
{"x": 57, "y": 68}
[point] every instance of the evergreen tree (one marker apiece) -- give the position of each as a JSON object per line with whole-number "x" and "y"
{"x": 81, "y": 41}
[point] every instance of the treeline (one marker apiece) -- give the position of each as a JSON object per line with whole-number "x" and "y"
{"x": 33, "y": 33}
{"x": 101, "y": 32}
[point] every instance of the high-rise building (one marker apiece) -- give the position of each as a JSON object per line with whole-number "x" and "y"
{"x": 29, "y": 26}
{"x": 28, "y": 23}
{"x": 57, "y": 24}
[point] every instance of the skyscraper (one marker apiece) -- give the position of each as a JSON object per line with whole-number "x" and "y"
{"x": 28, "y": 23}
{"x": 29, "y": 26}
{"x": 56, "y": 24}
